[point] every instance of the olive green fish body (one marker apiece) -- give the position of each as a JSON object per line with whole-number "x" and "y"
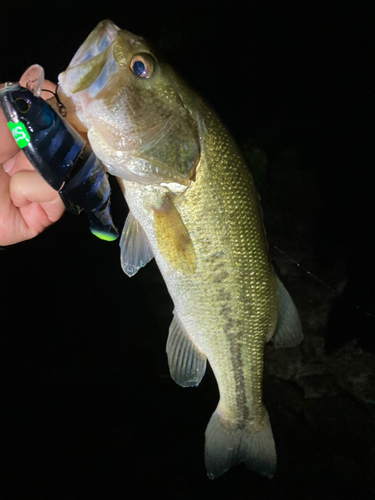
{"x": 229, "y": 306}
{"x": 193, "y": 206}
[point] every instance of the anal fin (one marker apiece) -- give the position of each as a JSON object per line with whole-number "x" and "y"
{"x": 187, "y": 364}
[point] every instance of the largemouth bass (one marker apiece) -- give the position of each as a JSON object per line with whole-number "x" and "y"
{"x": 193, "y": 206}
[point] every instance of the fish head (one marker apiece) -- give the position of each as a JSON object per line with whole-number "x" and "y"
{"x": 136, "y": 109}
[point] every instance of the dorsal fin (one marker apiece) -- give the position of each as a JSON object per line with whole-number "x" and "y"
{"x": 289, "y": 328}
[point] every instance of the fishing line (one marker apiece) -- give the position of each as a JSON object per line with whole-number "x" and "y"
{"x": 60, "y": 105}
{"x": 351, "y": 299}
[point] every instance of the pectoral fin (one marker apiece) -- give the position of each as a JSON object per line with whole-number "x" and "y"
{"x": 135, "y": 248}
{"x": 289, "y": 328}
{"x": 187, "y": 364}
{"x": 173, "y": 239}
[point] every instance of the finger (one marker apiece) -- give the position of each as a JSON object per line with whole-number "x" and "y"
{"x": 17, "y": 163}
{"x": 38, "y": 203}
{"x": 48, "y": 85}
{"x": 8, "y": 146}
{"x": 4, "y": 192}
{"x": 28, "y": 186}
{"x": 19, "y": 224}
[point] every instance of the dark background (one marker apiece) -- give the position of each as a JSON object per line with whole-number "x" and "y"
{"x": 87, "y": 406}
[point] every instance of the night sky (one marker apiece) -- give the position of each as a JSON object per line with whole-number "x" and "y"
{"x": 87, "y": 406}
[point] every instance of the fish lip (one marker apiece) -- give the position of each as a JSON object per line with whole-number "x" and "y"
{"x": 98, "y": 40}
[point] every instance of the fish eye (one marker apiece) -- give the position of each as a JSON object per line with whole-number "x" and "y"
{"x": 21, "y": 105}
{"x": 142, "y": 65}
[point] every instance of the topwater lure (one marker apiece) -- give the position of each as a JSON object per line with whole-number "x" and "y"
{"x": 59, "y": 154}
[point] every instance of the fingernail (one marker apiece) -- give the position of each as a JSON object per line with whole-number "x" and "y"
{"x": 8, "y": 165}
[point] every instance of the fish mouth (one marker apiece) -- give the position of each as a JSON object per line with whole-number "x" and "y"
{"x": 93, "y": 73}
{"x": 99, "y": 39}
{"x": 90, "y": 60}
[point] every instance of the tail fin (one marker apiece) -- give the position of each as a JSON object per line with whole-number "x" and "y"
{"x": 225, "y": 448}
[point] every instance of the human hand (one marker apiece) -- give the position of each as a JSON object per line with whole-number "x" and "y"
{"x": 28, "y": 205}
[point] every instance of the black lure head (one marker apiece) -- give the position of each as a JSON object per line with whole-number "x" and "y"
{"x": 27, "y": 111}
{"x": 51, "y": 145}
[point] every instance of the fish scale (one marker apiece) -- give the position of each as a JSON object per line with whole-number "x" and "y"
{"x": 209, "y": 203}
{"x": 205, "y": 318}
{"x": 193, "y": 206}
{"x": 245, "y": 254}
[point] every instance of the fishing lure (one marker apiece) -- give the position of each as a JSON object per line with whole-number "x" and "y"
{"x": 60, "y": 155}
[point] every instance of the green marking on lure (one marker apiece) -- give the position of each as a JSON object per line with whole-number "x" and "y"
{"x": 20, "y": 133}
{"x": 103, "y": 236}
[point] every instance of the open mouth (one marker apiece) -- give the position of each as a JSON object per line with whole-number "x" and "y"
{"x": 92, "y": 63}
{"x": 99, "y": 39}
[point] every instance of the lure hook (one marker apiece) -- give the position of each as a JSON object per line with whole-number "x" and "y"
{"x": 62, "y": 109}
